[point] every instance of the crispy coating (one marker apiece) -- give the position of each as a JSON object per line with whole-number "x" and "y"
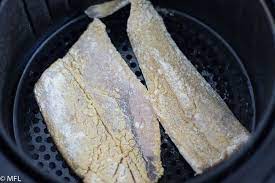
{"x": 99, "y": 114}
{"x": 192, "y": 113}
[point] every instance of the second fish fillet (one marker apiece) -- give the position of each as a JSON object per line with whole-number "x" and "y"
{"x": 195, "y": 117}
{"x": 99, "y": 114}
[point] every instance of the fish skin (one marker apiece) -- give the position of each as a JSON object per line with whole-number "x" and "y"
{"x": 99, "y": 114}
{"x": 194, "y": 116}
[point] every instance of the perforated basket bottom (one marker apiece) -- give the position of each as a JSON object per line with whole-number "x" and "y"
{"x": 211, "y": 56}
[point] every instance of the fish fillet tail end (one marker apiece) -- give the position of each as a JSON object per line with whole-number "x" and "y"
{"x": 105, "y": 9}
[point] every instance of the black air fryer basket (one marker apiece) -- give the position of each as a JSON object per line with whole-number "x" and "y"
{"x": 230, "y": 42}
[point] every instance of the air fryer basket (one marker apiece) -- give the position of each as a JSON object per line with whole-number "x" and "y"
{"x": 217, "y": 62}
{"x": 214, "y": 59}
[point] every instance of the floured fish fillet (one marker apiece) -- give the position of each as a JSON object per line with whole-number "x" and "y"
{"x": 98, "y": 113}
{"x": 192, "y": 113}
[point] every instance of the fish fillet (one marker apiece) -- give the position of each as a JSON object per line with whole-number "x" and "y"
{"x": 192, "y": 113}
{"x": 99, "y": 114}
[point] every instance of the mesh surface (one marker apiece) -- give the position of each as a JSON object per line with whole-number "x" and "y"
{"x": 213, "y": 59}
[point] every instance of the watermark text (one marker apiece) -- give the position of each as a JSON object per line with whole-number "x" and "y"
{"x": 10, "y": 178}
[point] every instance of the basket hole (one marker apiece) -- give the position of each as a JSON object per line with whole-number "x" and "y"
{"x": 35, "y": 156}
{"x": 47, "y": 157}
{"x": 53, "y": 149}
{"x": 46, "y": 131}
{"x": 42, "y": 148}
{"x": 36, "y": 129}
{"x": 49, "y": 139}
{"x": 133, "y": 65}
{"x": 138, "y": 73}
{"x": 71, "y": 172}
{"x": 58, "y": 172}
{"x": 178, "y": 171}
{"x": 52, "y": 165}
{"x": 129, "y": 57}
{"x": 38, "y": 139}
{"x": 64, "y": 165}
{"x": 58, "y": 157}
